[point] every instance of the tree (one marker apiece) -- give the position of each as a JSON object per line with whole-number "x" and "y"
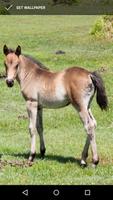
{"x": 65, "y": 1}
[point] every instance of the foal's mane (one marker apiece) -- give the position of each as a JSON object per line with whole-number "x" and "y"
{"x": 37, "y": 62}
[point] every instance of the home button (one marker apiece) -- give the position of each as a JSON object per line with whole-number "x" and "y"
{"x": 56, "y": 192}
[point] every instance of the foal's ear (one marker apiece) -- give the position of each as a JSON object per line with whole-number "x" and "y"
{"x": 5, "y": 50}
{"x": 18, "y": 50}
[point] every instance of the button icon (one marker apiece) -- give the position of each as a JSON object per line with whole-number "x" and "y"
{"x": 8, "y": 7}
{"x": 87, "y": 192}
{"x": 56, "y": 192}
{"x": 25, "y": 192}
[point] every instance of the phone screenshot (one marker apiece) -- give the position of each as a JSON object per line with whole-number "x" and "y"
{"x": 56, "y": 99}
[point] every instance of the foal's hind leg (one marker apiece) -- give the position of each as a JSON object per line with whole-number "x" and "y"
{"x": 40, "y": 131}
{"x": 89, "y": 126}
{"x": 86, "y": 146}
{"x": 85, "y": 152}
{"x": 32, "y": 113}
{"x": 92, "y": 117}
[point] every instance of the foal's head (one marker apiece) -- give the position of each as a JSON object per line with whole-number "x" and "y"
{"x": 11, "y": 64}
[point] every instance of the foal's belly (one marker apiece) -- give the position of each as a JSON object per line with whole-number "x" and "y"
{"x": 45, "y": 103}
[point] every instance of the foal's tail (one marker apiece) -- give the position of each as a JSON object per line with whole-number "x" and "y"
{"x": 101, "y": 96}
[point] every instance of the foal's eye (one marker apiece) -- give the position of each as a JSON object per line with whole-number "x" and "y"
{"x": 5, "y": 66}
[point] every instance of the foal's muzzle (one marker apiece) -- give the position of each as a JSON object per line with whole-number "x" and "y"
{"x": 10, "y": 82}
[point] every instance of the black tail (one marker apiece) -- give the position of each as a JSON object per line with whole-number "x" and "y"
{"x": 101, "y": 96}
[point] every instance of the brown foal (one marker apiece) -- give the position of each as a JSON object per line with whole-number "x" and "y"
{"x": 42, "y": 88}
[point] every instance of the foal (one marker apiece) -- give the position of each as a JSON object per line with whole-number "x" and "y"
{"x": 42, "y": 88}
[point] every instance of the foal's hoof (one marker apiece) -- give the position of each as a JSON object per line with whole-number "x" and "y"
{"x": 95, "y": 163}
{"x": 83, "y": 164}
{"x": 42, "y": 152}
{"x": 31, "y": 157}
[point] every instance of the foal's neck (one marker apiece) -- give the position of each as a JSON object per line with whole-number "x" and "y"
{"x": 25, "y": 70}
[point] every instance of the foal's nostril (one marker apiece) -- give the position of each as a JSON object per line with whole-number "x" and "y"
{"x": 10, "y": 82}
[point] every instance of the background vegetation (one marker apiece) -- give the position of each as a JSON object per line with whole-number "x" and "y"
{"x": 103, "y": 27}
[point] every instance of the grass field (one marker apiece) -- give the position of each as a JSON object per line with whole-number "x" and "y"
{"x": 41, "y": 37}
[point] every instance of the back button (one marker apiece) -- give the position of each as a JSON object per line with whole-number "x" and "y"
{"x": 25, "y": 192}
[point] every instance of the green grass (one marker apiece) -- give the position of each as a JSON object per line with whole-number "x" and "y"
{"x": 41, "y": 37}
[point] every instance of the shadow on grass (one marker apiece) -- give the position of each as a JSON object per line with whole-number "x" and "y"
{"x": 62, "y": 159}
{"x": 58, "y": 158}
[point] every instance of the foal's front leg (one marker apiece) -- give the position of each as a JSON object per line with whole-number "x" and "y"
{"x": 32, "y": 113}
{"x": 40, "y": 131}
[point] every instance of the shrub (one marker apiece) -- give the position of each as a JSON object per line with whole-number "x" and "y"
{"x": 97, "y": 29}
{"x": 103, "y": 27}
